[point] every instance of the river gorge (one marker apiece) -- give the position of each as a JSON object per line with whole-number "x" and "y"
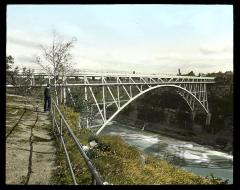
{"x": 200, "y": 159}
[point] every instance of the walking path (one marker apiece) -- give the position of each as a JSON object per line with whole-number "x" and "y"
{"x": 30, "y": 151}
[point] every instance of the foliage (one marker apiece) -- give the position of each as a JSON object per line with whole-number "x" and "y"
{"x": 183, "y": 120}
{"x": 11, "y": 73}
{"x": 9, "y": 62}
{"x": 151, "y": 108}
{"x": 220, "y": 99}
{"x": 127, "y": 110}
{"x": 191, "y": 73}
{"x": 215, "y": 179}
{"x": 12, "y": 77}
{"x": 222, "y": 78}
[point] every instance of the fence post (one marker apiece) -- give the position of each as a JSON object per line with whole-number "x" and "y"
{"x": 53, "y": 118}
{"x": 61, "y": 126}
{"x": 94, "y": 182}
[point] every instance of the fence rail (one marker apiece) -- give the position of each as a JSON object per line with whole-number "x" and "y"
{"x": 96, "y": 178}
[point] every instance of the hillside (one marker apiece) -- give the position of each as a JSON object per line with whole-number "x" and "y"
{"x": 118, "y": 162}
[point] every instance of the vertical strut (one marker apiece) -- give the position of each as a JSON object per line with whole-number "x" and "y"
{"x": 69, "y": 91}
{"x": 64, "y": 90}
{"x": 103, "y": 99}
{"x": 61, "y": 94}
{"x": 90, "y": 88}
{"x": 86, "y": 99}
{"x": 33, "y": 80}
{"x": 124, "y": 88}
{"x": 118, "y": 92}
{"x": 206, "y": 100}
{"x": 111, "y": 94}
{"x": 130, "y": 88}
{"x": 200, "y": 92}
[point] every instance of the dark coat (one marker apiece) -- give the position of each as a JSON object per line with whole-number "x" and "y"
{"x": 47, "y": 92}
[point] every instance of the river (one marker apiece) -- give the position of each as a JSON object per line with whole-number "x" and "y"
{"x": 199, "y": 159}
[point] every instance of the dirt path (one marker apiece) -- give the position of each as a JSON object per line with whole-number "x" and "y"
{"x": 30, "y": 151}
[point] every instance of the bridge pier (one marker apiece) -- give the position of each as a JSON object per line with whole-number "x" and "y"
{"x": 193, "y": 115}
{"x": 208, "y": 119}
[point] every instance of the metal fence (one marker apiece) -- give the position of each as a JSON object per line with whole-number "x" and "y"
{"x": 58, "y": 130}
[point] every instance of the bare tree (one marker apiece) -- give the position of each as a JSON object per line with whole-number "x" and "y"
{"x": 56, "y": 58}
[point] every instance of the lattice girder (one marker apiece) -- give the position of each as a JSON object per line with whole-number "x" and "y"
{"x": 122, "y": 89}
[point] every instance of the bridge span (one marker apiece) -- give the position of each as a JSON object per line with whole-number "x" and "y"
{"x": 100, "y": 87}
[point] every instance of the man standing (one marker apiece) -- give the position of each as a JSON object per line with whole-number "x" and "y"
{"x": 47, "y": 98}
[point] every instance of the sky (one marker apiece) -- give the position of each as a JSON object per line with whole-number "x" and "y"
{"x": 126, "y": 38}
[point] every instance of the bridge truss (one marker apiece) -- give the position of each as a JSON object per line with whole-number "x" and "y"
{"x": 105, "y": 91}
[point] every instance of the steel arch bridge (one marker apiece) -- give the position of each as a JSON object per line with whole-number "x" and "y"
{"x": 122, "y": 89}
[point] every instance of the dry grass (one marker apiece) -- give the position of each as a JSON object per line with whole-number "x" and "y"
{"x": 119, "y": 163}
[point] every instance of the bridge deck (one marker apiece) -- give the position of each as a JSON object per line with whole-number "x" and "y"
{"x": 121, "y": 75}
{"x": 97, "y": 79}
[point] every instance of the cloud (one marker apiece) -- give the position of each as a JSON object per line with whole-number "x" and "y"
{"x": 192, "y": 61}
{"x": 216, "y": 50}
{"x": 167, "y": 62}
{"x": 25, "y": 59}
{"x": 23, "y": 42}
{"x": 103, "y": 63}
{"x": 195, "y": 56}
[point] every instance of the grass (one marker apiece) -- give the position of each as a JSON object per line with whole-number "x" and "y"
{"x": 12, "y": 118}
{"x": 117, "y": 162}
{"x": 13, "y": 112}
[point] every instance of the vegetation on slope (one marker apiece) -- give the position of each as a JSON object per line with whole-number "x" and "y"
{"x": 117, "y": 162}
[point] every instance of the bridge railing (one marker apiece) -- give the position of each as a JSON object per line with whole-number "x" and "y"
{"x": 58, "y": 131}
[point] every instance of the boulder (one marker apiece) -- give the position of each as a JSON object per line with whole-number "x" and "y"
{"x": 93, "y": 144}
{"x": 85, "y": 148}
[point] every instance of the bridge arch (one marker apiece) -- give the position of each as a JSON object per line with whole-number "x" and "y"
{"x": 143, "y": 92}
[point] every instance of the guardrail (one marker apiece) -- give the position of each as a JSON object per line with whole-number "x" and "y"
{"x": 96, "y": 179}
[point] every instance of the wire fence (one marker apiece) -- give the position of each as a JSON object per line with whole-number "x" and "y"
{"x": 61, "y": 128}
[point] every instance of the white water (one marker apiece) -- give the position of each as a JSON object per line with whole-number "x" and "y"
{"x": 199, "y": 159}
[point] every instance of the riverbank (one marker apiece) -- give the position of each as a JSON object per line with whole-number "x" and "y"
{"x": 217, "y": 141}
{"x": 117, "y": 162}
